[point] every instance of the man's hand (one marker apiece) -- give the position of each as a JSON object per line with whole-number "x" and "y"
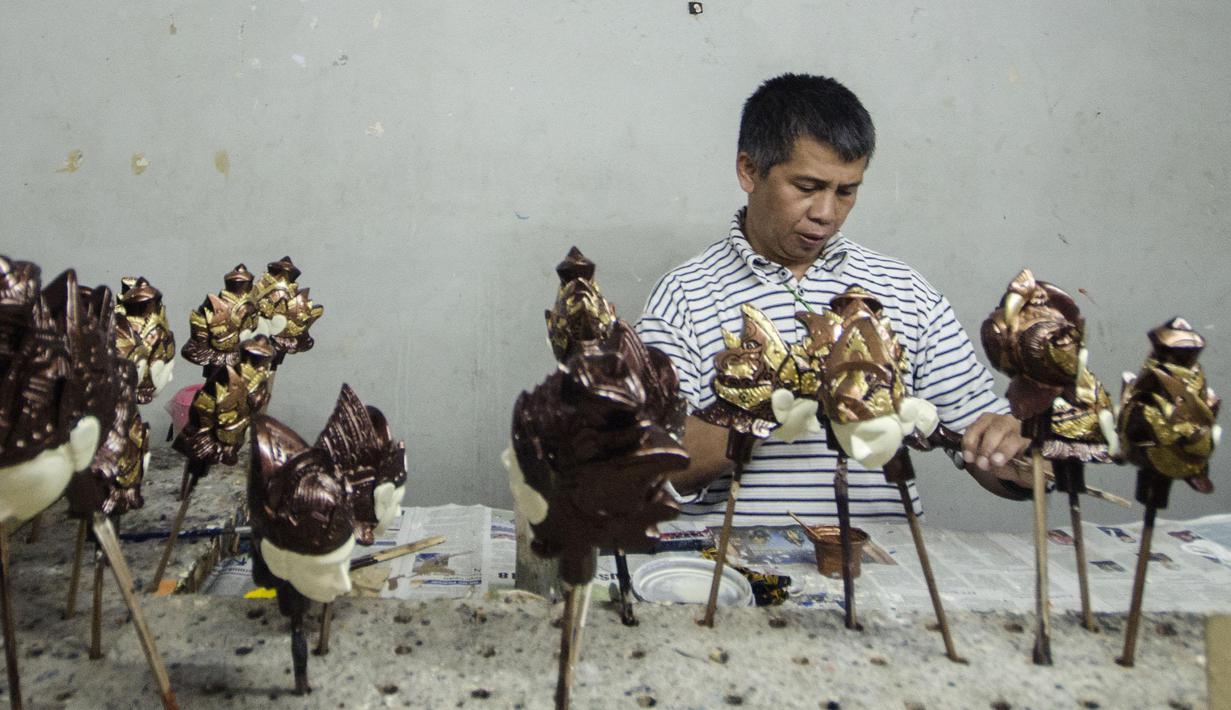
{"x": 991, "y": 444}
{"x": 707, "y": 449}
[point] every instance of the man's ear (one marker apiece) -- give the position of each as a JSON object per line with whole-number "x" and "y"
{"x": 746, "y": 171}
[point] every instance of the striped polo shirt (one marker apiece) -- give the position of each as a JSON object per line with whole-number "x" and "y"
{"x": 689, "y": 306}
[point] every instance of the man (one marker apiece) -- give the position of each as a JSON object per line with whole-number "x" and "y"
{"x": 804, "y": 144}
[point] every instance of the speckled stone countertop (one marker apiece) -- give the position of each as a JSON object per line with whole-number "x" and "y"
{"x": 227, "y": 652}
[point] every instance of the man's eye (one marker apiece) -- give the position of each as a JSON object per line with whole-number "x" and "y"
{"x": 845, "y": 192}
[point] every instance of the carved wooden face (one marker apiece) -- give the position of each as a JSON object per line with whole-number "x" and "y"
{"x": 583, "y": 320}
{"x": 300, "y": 314}
{"x": 580, "y": 313}
{"x": 321, "y": 578}
{"x": 1035, "y": 332}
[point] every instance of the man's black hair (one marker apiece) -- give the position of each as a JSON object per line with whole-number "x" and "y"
{"x": 793, "y": 105}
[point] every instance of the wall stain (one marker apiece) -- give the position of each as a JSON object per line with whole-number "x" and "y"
{"x": 173, "y": 29}
{"x": 222, "y": 162}
{"x": 376, "y": 21}
{"x": 72, "y": 163}
{"x": 139, "y": 163}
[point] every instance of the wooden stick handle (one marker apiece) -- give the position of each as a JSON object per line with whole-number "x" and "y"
{"x": 105, "y": 534}
{"x": 917, "y": 534}
{"x": 322, "y": 644}
{"x": 1079, "y": 547}
{"x": 724, "y": 540}
{"x": 1126, "y": 658}
{"x": 625, "y": 580}
{"x": 564, "y": 676}
{"x": 36, "y": 527}
{"x": 299, "y": 654}
{"x": 74, "y": 577}
{"x": 1100, "y": 494}
{"x": 582, "y": 611}
{"x": 1042, "y": 596}
{"x": 166, "y": 550}
{"x": 842, "y": 497}
{"x": 96, "y": 608}
{"x": 10, "y": 628}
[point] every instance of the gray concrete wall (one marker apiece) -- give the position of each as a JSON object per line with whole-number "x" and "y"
{"x": 427, "y": 164}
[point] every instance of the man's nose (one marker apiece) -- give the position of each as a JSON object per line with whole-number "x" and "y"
{"x": 823, "y": 208}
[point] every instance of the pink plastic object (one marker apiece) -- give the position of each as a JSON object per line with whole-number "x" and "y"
{"x": 179, "y": 405}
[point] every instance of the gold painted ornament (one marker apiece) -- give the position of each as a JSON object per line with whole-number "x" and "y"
{"x": 755, "y": 365}
{"x": 581, "y": 313}
{"x": 143, "y": 336}
{"x": 1168, "y": 413}
{"x": 286, "y": 311}
{"x": 1036, "y": 336}
{"x": 222, "y": 322}
{"x": 855, "y": 356}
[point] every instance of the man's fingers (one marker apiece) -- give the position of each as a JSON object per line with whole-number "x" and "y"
{"x": 989, "y": 445}
{"x": 972, "y": 436}
{"x": 992, "y": 441}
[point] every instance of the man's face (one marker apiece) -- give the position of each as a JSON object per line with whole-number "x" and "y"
{"x": 795, "y": 208}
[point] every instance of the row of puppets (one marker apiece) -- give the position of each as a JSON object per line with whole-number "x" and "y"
{"x": 592, "y": 445}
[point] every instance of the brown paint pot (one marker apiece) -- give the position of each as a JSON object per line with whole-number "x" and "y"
{"x": 827, "y": 540}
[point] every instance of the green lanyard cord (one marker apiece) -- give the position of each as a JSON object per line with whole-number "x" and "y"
{"x": 798, "y": 298}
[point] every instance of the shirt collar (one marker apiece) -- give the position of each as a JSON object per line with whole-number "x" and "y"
{"x": 832, "y": 259}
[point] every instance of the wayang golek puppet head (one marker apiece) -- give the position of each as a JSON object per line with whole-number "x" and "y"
{"x": 364, "y": 452}
{"x": 302, "y": 517}
{"x": 57, "y": 384}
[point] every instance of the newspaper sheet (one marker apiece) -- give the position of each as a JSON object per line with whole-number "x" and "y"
{"x": 451, "y": 569}
{"x": 479, "y": 553}
{"x": 1189, "y": 571}
{"x": 1190, "y": 567}
{"x": 448, "y": 570}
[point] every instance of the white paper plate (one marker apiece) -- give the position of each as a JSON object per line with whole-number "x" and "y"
{"x": 686, "y": 580}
